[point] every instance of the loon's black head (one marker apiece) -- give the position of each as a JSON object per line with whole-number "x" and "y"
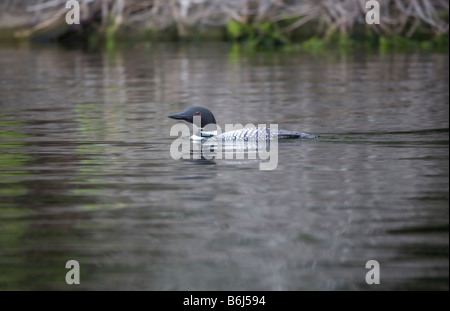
{"x": 206, "y": 116}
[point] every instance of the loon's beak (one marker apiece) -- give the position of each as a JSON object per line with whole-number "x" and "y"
{"x": 179, "y": 116}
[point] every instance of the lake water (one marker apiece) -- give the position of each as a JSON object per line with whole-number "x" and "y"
{"x": 86, "y": 173}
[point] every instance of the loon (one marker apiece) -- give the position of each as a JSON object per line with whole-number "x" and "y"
{"x": 252, "y": 134}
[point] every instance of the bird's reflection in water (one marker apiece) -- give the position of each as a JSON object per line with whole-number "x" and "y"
{"x": 199, "y": 155}
{"x": 207, "y": 152}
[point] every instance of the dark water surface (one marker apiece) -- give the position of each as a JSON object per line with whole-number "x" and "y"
{"x": 86, "y": 173}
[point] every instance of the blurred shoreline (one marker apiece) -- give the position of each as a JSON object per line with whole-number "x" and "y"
{"x": 307, "y": 24}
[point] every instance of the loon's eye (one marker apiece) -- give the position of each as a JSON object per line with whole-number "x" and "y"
{"x": 197, "y": 113}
